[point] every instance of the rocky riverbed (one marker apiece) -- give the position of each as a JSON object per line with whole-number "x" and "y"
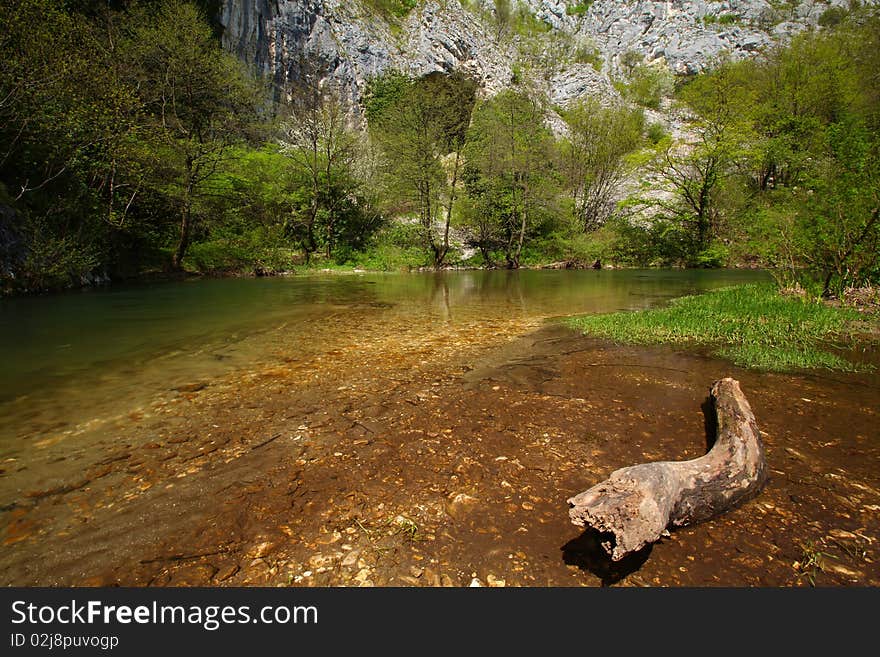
{"x": 446, "y": 460}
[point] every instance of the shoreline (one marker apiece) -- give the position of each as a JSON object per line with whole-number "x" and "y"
{"x": 104, "y": 282}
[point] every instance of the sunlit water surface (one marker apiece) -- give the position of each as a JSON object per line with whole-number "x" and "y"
{"x": 68, "y": 361}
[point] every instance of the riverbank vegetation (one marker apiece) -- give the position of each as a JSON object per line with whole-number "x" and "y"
{"x": 752, "y": 325}
{"x": 132, "y": 143}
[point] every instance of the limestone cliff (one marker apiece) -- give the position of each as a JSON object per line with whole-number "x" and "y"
{"x": 352, "y": 41}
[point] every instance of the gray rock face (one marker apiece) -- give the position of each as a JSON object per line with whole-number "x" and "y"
{"x": 691, "y": 35}
{"x": 350, "y": 42}
{"x": 579, "y": 81}
{"x": 450, "y": 38}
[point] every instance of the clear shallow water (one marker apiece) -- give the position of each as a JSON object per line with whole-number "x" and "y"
{"x": 68, "y": 360}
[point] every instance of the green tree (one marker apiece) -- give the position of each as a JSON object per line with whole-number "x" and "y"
{"x": 503, "y": 14}
{"x": 481, "y": 212}
{"x": 201, "y": 102}
{"x": 593, "y": 157}
{"x": 513, "y": 178}
{"x": 644, "y": 84}
{"x": 66, "y": 125}
{"x": 797, "y": 132}
{"x": 699, "y": 172}
{"x": 421, "y": 126}
{"x": 837, "y": 210}
{"x": 693, "y": 173}
{"x": 320, "y": 140}
{"x": 796, "y": 92}
{"x": 629, "y": 60}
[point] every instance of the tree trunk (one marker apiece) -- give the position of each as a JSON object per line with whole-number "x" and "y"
{"x": 183, "y": 241}
{"x": 826, "y": 286}
{"x": 449, "y": 208}
{"x": 484, "y": 252}
{"x": 185, "y": 215}
{"x": 427, "y": 220}
{"x": 331, "y": 227}
{"x": 310, "y": 245}
{"x": 522, "y": 237}
{"x": 636, "y": 505}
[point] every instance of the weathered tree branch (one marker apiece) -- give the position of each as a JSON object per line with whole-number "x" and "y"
{"x": 636, "y": 505}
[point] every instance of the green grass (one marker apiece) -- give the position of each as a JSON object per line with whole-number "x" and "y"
{"x": 392, "y": 9}
{"x": 579, "y": 8}
{"x": 752, "y": 325}
{"x": 386, "y": 257}
{"x": 723, "y": 19}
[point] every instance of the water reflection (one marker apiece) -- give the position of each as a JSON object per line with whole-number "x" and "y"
{"x": 74, "y": 357}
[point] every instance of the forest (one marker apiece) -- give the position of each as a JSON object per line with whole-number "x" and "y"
{"x": 131, "y": 144}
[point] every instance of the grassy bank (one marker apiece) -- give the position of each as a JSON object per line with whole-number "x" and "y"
{"x": 752, "y": 325}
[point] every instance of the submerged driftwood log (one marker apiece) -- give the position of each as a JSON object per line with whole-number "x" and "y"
{"x": 636, "y": 505}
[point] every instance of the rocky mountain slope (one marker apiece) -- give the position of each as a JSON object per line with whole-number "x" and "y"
{"x": 572, "y": 47}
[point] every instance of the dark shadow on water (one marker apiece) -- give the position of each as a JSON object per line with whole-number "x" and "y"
{"x": 586, "y": 553}
{"x": 710, "y": 422}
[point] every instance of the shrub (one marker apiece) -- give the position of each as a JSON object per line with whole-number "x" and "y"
{"x": 580, "y": 8}
{"x": 392, "y": 8}
{"x": 832, "y": 16}
{"x": 656, "y": 133}
{"x": 647, "y": 85}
